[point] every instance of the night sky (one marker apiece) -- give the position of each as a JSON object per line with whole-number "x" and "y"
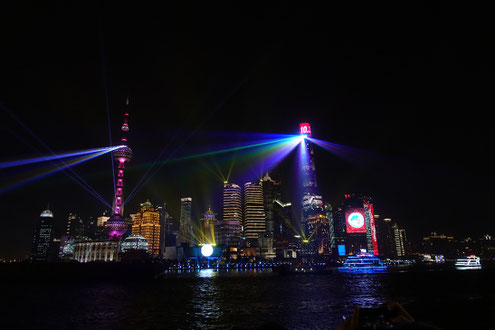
{"x": 410, "y": 85}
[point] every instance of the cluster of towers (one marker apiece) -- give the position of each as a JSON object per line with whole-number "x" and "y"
{"x": 254, "y": 221}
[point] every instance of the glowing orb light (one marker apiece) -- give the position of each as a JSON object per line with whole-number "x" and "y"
{"x": 207, "y": 250}
{"x": 356, "y": 220}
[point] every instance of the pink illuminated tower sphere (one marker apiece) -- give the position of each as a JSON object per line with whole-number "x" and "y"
{"x": 116, "y": 226}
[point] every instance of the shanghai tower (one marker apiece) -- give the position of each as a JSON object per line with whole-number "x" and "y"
{"x": 314, "y": 220}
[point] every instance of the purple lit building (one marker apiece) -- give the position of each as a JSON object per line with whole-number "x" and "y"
{"x": 116, "y": 226}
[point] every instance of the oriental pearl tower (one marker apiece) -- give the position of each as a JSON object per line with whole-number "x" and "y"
{"x": 116, "y": 226}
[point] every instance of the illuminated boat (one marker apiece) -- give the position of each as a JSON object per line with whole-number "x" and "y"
{"x": 471, "y": 262}
{"x": 363, "y": 262}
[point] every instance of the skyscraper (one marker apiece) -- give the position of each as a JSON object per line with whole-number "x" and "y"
{"x": 359, "y": 221}
{"x": 314, "y": 218}
{"x": 254, "y": 210}
{"x": 185, "y": 226}
{"x": 42, "y": 236}
{"x": 271, "y": 192}
{"x": 162, "y": 211}
{"x": 147, "y": 224}
{"x": 229, "y": 229}
{"x": 331, "y": 228}
{"x": 284, "y": 230}
{"x": 399, "y": 240}
{"x": 386, "y": 242}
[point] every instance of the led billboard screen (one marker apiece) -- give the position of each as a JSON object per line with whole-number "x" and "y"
{"x": 305, "y": 129}
{"x": 354, "y": 221}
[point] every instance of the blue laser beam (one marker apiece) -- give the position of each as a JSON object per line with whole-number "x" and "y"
{"x": 80, "y": 181}
{"x": 58, "y": 168}
{"x": 27, "y": 161}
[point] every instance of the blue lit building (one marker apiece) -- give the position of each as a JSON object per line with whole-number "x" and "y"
{"x": 315, "y": 223}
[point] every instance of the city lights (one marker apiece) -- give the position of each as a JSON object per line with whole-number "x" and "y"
{"x": 207, "y": 250}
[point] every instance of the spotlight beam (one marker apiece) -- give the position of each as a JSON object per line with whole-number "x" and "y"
{"x": 80, "y": 181}
{"x": 205, "y": 154}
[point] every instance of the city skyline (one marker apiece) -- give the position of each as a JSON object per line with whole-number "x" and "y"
{"x": 423, "y": 164}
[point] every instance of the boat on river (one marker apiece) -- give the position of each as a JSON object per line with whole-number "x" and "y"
{"x": 362, "y": 262}
{"x": 471, "y": 262}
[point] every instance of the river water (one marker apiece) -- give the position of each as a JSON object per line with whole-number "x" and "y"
{"x": 208, "y": 299}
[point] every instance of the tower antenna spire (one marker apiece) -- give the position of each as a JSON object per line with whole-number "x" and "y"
{"x": 116, "y": 225}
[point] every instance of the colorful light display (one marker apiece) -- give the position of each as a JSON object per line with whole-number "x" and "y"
{"x": 371, "y": 215}
{"x": 207, "y": 250}
{"x": 122, "y": 155}
{"x": 355, "y": 221}
{"x": 52, "y": 168}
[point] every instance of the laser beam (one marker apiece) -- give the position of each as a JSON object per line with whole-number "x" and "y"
{"x": 27, "y": 161}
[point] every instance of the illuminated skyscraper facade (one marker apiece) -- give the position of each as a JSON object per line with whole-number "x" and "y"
{"x": 254, "y": 210}
{"x": 147, "y": 224}
{"x": 315, "y": 223}
{"x": 360, "y": 226}
{"x": 229, "y": 229}
{"x": 185, "y": 225}
{"x": 42, "y": 236}
{"x": 399, "y": 240}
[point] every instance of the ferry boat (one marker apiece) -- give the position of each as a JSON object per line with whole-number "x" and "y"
{"x": 363, "y": 262}
{"x": 471, "y": 262}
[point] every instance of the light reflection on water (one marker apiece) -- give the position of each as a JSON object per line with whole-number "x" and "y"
{"x": 364, "y": 290}
{"x": 220, "y": 297}
{"x": 207, "y": 273}
{"x": 206, "y": 310}
{"x": 211, "y": 298}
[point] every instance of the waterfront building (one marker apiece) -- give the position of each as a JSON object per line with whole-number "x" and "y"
{"x": 254, "y": 211}
{"x": 134, "y": 243}
{"x": 386, "y": 243}
{"x": 399, "y": 239}
{"x": 229, "y": 228}
{"x": 98, "y": 250}
{"x": 284, "y": 228}
{"x": 171, "y": 231}
{"x": 360, "y": 226}
{"x": 147, "y": 224}
{"x": 162, "y": 211}
{"x": 42, "y": 236}
{"x": 339, "y": 232}
{"x": 185, "y": 226}
{"x": 331, "y": 228}
{"x": 439, "y": 244}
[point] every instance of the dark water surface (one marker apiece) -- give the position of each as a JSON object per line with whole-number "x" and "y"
{"x": 251, "y": 299}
